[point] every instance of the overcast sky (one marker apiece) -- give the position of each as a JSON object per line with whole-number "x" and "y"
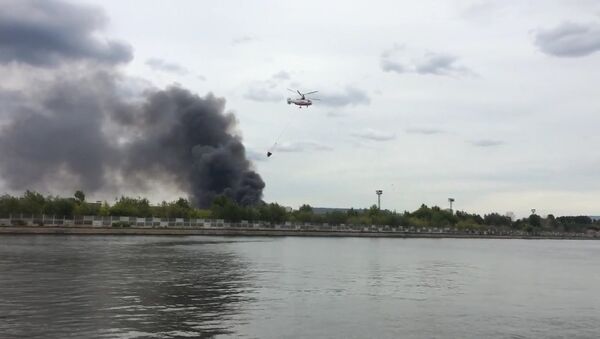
{"x": 493, "y": 103}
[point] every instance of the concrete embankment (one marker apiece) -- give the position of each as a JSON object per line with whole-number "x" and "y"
{"x": 250, "y": 232}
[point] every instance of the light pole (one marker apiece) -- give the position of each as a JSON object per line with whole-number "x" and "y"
{"x": 450, "y": 200}
{"x": 379, "y": 193}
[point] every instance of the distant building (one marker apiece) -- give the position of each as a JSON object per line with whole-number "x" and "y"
{"x": 325, "y": 210}
{"x": 96, "y": 204}
{"x": 595, "y": 217}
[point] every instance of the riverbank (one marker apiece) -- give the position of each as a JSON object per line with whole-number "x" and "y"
{"x": 7, "y": 230}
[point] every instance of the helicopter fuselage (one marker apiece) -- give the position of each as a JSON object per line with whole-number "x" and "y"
{"x": 299, "y": 102}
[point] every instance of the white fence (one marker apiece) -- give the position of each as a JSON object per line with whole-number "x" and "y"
{"x": 153, "y": 222}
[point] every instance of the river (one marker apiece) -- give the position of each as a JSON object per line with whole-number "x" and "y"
{"x": 54, "y": 286}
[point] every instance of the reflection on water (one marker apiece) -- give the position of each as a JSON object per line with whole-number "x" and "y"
{"x": 441, "y": 275}
{"x": 178, "y": 287}
{"x": 107, "y": 287}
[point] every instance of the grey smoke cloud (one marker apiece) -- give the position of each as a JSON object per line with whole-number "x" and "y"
{"x": 173, "y": 134}
{"x": 49, "y": 32}
{"x": 57, "y": 130}
{"x": 80, "y": 129}
{"x": 569, "y": 39}
{"x": 11, "y": 101}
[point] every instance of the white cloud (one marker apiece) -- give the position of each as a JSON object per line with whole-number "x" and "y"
{"x": 439, "y": 64}
{"x": 262, "y": 93}
{"x": 336, "y": 114}
{"x": 374, "y": 135}
{"x": 349, "y": 96}
{"x": 301, "y": 146}
{"x": 398, "y": 60}
{"x": 423, "y": 130}
{"x": 256, "y": 155}
{"x": 242, "y": 40}
{"x": 166, "y": 66}
{"x": 486, "y": 143}
{"x": 281, "y": 75}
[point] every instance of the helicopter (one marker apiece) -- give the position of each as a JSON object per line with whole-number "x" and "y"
{"x": 302, "y": 100}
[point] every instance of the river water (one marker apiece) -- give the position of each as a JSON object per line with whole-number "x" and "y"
{"x": 293, "y": 287}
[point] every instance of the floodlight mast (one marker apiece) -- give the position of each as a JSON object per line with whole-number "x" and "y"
{"x": 451, "y": 200}
{"x": 379, "y": 193}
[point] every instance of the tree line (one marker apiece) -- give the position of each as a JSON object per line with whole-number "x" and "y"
{"x": 34, "y": 203}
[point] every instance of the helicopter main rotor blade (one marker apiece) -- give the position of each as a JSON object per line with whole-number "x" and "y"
{"x": 302, "y": 95}
{"x": 291, "y": 90}
{"x": 310, "y": 92}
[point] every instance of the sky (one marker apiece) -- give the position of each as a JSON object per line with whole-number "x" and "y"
{"x": 492, "y": 103}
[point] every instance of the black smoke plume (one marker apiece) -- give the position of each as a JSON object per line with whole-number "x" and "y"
{"x": 192, "y": 138}
{"x": 69, "y": 121}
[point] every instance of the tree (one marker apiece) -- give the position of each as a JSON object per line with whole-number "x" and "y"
{"x": 8, "y": 205}
{"x": 373, "y": 211}
{"x": 535, "y": 220}
{"x": 352, "y": 212}
{"x": 135, "y": 207}
{"x": 177, "y": 209}
{"x": 80, "y": 196}
{"x": 550, "y": 222}
{"x": 61, "y": 207}
{"x": 495, "y": 219}
{"x": 422, "y": 213}
{"x": 272, "y": 212}
{"x": 336, "y": 217}
{"x": 227, "y": 209}
{"x": 473, "y": 217}
{"x": 304, "y": 214}
{"x": 32, "y": 203}
{"x": 104, "y": 209}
